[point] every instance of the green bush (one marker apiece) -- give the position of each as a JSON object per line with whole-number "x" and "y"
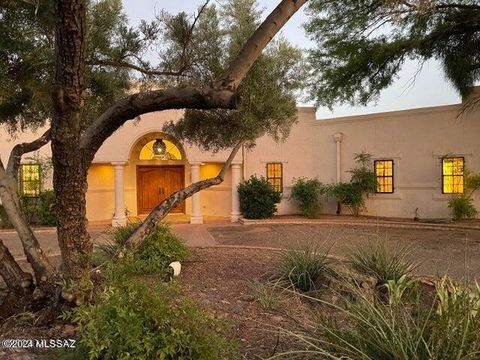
{"x": 4, "y": 220}
{"x": 307, "y": 193}
{"x": 442, "y": 327}
{"x": 375, "y": 259}
{"x": 152, "y": 256}
{"x": 118, "y": 236}
{"x": 46, "y": 209}
{"x": 348, "y": 194}
{"x": 143, "y": 322}
{"x": 461, "y": 207}
{"x": 362, "y": 182}
{"x": 258, "y": 198}
{"x": 305, "y": 268}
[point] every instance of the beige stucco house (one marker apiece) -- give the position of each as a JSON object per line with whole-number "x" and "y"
{"x": 419, "y": 158}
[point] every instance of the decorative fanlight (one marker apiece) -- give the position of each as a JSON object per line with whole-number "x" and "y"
{"x": 159, "y": 147}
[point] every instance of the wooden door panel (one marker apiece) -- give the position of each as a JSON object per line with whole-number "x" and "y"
{"x": 173, "y": 180}
{"x": 155, "y": 183}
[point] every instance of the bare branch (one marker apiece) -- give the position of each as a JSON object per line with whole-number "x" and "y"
{"x": 189, "y": 36}
{"x": 127, "y": 65}
{"x": 24, "y": 148}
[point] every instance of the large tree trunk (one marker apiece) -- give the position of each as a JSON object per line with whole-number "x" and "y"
{"x": 70, "y": 167}
{"x": 43, "y": 270}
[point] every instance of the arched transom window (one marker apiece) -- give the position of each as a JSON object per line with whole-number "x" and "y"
{"x": 168, "y": 151}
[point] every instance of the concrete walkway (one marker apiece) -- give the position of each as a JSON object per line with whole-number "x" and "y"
{"x": 194, "y": 236}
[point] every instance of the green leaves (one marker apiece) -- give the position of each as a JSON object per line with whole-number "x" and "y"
{"x": 307, "y": 193}
{"x": 362, "y": 45}
{"x": 267, "y": 95}
{"x": 258, "y": 198}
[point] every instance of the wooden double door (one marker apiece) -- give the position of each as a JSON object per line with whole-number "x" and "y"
{"x": 155, "y": 183}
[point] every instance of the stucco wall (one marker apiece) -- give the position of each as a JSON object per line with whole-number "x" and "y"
{"x": 415, "y": 139}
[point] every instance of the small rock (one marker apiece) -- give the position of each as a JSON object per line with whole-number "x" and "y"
{"x": 277, "y": 318}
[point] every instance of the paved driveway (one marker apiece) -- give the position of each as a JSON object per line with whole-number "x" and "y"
{"x": 456, "y": 252}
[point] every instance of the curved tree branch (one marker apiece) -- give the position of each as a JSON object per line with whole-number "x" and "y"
{"x": 221, "y": 95}
{"x": 24, "y": 148}
{"x": 257, "y": 42}
{"x": 162, "y": 209}
{"x": 142, "y": 103}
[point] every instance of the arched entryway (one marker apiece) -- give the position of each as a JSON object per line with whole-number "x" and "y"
{"x": 159, "y": 171}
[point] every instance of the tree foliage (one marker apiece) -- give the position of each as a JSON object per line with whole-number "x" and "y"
{"x": 27, "y": 63}
{"x": 267, "y": 95}
{"x": 362, "y": 45}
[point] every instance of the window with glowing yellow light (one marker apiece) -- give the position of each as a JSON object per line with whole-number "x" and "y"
{"x": 275, "y": 175}
{"x": 453, "y": 175}
{"x": 384, "y": 176}
{"x": 172, "y": 152}
{"x": 30, "y": 180}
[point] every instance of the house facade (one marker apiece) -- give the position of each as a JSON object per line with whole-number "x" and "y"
{"x": 419, "y": 159}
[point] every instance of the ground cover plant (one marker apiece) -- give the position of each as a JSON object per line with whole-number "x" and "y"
{"x": 376, "y": 259}
{"x": 305, "y": 268}
{"x": 132, "y": 317}
{"x": 443, "y": 325}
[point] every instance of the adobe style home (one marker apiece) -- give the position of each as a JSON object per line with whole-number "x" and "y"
{"x": 419, "y": 158}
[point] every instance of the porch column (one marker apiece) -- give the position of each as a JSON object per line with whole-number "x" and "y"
{"x": 196, "y": 215}
{"x": 338, "y": 137}
{"x": 119, "y": 218}
{"x": 236, "y": 178}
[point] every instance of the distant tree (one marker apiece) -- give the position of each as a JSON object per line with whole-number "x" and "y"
{"x": 362, "y": 45}
{"x": 87, "y": 51}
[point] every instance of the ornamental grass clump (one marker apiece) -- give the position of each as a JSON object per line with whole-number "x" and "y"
{"x": 442, "y": 326}
{"x": 376, "y": 259}
{"x": 305, "y": 268}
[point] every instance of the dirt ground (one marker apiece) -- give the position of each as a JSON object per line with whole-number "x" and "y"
{"x": 456, "y": 252}
{"x": 223, "y": 282}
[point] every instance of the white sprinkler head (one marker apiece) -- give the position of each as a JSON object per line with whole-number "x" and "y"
{"x": 177, "y": 267}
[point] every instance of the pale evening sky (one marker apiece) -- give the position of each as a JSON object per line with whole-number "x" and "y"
{"x": 429, "y": 88}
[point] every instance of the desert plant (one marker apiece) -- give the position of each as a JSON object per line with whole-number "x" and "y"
{"x": 362, "y": 182}
{"x": 375, "y": 259}
{"x": 269, "y": 295}
{"x": 398, "y": 289}
{"x": 461, "y": 205}
{"x": 307, "y": 193}
{"x": 136, "y": 321}
{"x": 258, "y": 198}
{"x": 443, "y": 327}
{"x": 305, "y": 268}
